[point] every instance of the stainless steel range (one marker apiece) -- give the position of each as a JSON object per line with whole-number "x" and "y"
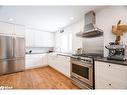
{"x": 82, "y": 70}
{"x": 82, "y": 66}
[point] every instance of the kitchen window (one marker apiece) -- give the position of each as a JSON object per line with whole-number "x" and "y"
{"x": 64, "y": 42}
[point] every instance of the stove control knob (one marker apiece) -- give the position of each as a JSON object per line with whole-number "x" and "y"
{"x": 89, "y": 60}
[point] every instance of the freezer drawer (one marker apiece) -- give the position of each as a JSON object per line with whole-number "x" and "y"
{"x": 10, "y": 66}
{"x": 6, "y": 47}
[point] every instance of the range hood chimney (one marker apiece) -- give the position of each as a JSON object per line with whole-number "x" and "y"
{"x": 90, "y": 29}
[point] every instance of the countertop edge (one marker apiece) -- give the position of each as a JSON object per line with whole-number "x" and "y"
{"x": 68, "y": 55}
{"x": 112, "y": 61}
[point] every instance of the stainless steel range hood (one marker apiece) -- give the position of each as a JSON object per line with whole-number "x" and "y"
{"x": 90, "y": 29}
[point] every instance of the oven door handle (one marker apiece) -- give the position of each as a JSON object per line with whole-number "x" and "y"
{"x": 84, "y": 65}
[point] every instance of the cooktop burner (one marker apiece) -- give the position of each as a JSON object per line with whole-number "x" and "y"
{"x": 89, "y": 55}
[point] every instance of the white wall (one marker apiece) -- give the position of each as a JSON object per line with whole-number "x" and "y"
{"x": 108, "y": 17}
{"x": 77, "y": 41}
{"x": 105, "y": 18}
{"x": 73, "y": 29}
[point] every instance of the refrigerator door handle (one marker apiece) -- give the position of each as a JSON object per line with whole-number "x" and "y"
{"x": 12, "y": 47}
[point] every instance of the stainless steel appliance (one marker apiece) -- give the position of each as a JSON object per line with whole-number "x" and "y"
{"x": 90, "y": 29}
{"x": 82, "y": 65}
{"x": 116, "y": 52}
{"x": 82, "y": 70}
{"x": 12, "y": 54}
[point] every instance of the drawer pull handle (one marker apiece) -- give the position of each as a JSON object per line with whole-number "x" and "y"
{"x": 109, "y": 84}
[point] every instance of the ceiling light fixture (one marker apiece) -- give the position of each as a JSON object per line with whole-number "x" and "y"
{"x": 10, "y": 19}
{"x": 71, "y": 18}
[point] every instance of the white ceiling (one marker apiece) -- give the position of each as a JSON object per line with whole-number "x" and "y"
{"x": 48, "y": 18}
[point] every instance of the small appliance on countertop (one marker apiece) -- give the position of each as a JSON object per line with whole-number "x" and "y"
{"x": 79, "y": 51}
{"x": 116, "y": 52}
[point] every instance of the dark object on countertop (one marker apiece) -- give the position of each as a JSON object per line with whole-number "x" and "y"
{"x": 112, "y": 43}
{"x": 30, "y": 51}
{"x": 50, "y": 51}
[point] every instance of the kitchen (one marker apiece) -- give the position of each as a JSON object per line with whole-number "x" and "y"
{"x": 54, "y": 51}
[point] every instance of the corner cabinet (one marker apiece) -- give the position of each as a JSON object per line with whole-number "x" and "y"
{"x": 60, "y": 63}
{"x": 110, "y": 76}
{"x": 10, "y": 29}
{"x": 35, "y": 60}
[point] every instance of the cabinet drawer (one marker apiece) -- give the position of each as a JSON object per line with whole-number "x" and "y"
{"x": 113, "y": 71}
{"x": 107, "y": 83}
{"x": 109, "y": 75}
{"x": 102, "y": 84}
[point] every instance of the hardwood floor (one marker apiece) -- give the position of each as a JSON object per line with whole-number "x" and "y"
{"x": 40, "y": 78}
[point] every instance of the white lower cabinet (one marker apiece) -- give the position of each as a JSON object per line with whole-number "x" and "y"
{"x": 110, "y": 76}
{"x": 35, "y": 60}
{"x": 60, "y": 63}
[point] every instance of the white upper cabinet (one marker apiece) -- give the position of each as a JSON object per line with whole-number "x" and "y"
{"x": 48, "y": 39}
{"x": 12, "y": 29}
{"x": 38, "y": 39}
{"x": 19, "y": 30}
{"x": 6, "y": 28}
{"x": 29, "y": 36}
{"x": 44, "y": 39}
{"x": 35, "y": 38}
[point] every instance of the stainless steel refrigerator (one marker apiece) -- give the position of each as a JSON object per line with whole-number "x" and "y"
{"x": 12, "y": 54}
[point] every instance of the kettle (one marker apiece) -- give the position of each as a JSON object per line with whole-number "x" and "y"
{"x": 79, "y": 51}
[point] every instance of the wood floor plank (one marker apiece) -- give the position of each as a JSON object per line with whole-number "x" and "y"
{"x": 39, "y": 78}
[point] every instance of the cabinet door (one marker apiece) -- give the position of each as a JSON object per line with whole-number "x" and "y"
{"x": 30, "y": 38}
{"x": 49, "y": 39}
{"x": 44, "y": 39}
{"x": 44, "y": 59}
{"x": 60, "y": 63}
{"x": 35, "y": 60}
{"x": 29, "y": 61}
{"x": 39, "y": 39}
{"x": 40, "y": 60}
{"x": 6, "y": 28}
{"x": 64, "y": 65}
{"x": 19, "y": 30}
{"x": 52, "y": 60}
{"x": 110, "y": 76}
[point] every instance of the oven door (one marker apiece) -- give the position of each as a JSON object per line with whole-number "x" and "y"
{"x": 82, "y": 71}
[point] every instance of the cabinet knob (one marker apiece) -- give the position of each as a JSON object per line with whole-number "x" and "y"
{"x": 109, "y": 65}
{"x": 110, "y": 84}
